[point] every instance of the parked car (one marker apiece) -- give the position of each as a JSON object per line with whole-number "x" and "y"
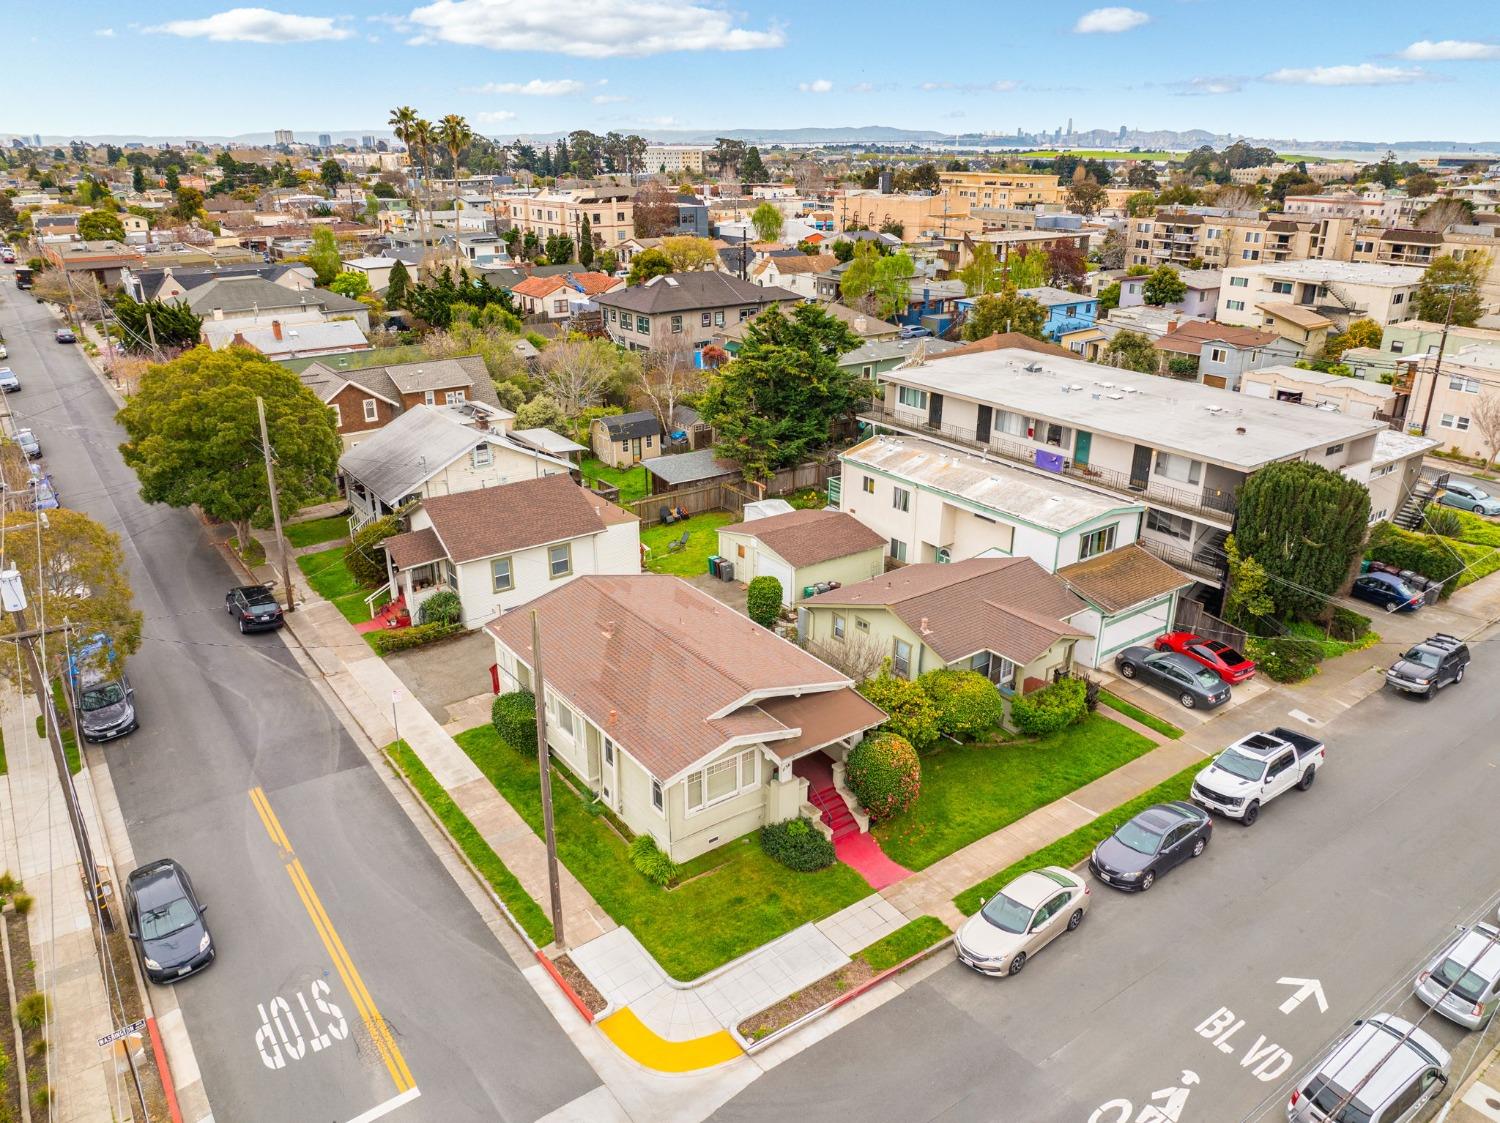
{"x": 29, "y": 444}
{"x": 1383, "y": 1070}
{"x": 8, "y": 380}
{"x": 4, "y": 353}
{"x": 102, "y": 696}
{"x": 1463, "y": 982}
{"x": 1193, "y": 684}
{"x": 1022, "y": 919}
{"x": 1148, "y": 845}
{"x": 1431, "y": 665}
{"x": 255, "y": 606}
{"x": 65, "y": 335}
{"x": 1255, "y": 770}
{"x": 1218, "y": 657}
{"x": 1470, "y": 497}
{"x": 165, "y": 920}
{"x": 8, "y": 257}
{"x": 1387, "y": 590}
{"x": 912, "y": 331}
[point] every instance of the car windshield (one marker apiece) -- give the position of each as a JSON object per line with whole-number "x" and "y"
{"x": 1238, "y": 764}
{"x": 259, "y": 598}
{"x": 1477, "y": 493}
{"x": 1204, "y": 677}
{"x": 1425, "y": 658}
{"x": 1138, "y": 838}
{"x": 1327, "y": 1096}
{"x": 1466, "y": 984}
{"x": 104, "y": 694}
{"x": 1230, "y": 656}
{"x": 1006, "y": 914}
{"x": 166, "y": 919}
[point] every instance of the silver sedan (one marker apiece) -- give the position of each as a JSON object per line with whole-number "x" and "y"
{"x": 1022, "y": 919}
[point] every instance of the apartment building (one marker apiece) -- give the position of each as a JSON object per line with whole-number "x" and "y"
{"x": 966, "y": 190}
{"x": 1409, "y": 246}
{"x": 1181, "y": 449}
{"x": 1222, "y": 239}
{"x": 1368, "y": 208}
{"x": 610, "y": 211}
{"x": 920, "y": 216}
{"x": 1336, "y": 291}
{"x": 1352, "y": 396}
{"x": 1319, "y": 173}
{"x": 1445, "y": 403}
{"x": 957, "y": 249}
{"x": 673, "y": 159}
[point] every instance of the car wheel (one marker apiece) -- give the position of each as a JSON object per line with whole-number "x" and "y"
{"x": 1148, "y": 879}
{"x": 1307, "y": 779}
{"x": 1460, "y": 676}
{"x": 1187, "y": 700}
{"x": 1075, "y": 920}
{"x": 1252, "y": 813}
{"x": 1200, "y": 846}
{"x": 242, "y": 627}
{"x": 1127, "y": 671}
{"x": 1018, "y": 964}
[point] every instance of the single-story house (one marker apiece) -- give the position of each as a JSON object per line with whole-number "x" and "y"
{"x": 690, "y": 469}
{"x": 553, "y": 296}
{"x": 801, "y": 549}
{"x": 500, "y": 547}
{"x": 1007, "y": 618}
{"x": 624, "y": 439}
{"x": 692, "y": 723}
{"x": 1131, "y": 598}
{"x": 291, "y": 340}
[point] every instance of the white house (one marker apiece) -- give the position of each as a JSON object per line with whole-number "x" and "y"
{"x": 802, "y": 549}
{"x": 1251, "y": 295}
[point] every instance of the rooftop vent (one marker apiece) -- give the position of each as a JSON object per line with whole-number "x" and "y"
{"x": 1033, "y": 368}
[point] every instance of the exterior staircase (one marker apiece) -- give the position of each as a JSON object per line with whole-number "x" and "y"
{"x": 834, "y": 811}
{"x": 1413, "y": 511}
{"x": 392, "y": 615}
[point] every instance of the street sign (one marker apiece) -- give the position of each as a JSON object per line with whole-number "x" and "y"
{"x": 1306, "y": 988}
{"x": 124, "y": 1031}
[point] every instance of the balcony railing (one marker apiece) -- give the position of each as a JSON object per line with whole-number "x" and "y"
{"x": 1184, "y": 560}
{"x": 1211, "y": 503}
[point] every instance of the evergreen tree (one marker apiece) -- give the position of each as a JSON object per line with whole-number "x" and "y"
{"x": 396, "y": 285}
{"x": 585, "y": 243}
{"x": 172, "y": 182}
{"x": 753, "y": 170}
{"x": 138, "y": 179}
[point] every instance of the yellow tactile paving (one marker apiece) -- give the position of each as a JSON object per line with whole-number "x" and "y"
{"x": 645, "y": 1046}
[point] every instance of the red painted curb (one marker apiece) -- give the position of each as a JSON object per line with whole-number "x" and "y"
{"x": 588, "y": 1015}
{"x": 164, "y": 1071}
{"x": 870, "y": 984}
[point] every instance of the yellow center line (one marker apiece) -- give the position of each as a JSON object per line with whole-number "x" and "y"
{"x": 380, "y": 1033}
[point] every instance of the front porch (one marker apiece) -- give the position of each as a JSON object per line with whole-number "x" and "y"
{"x": 833, "y": 808}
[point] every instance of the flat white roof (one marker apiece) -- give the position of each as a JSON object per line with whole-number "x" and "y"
{"x": 1391, "y": 445}
{"x": 1354, "y": 272}
{"x": 1033, "y": 497}
{"x": 1199, "y": 421}
{"x": 1318, "y": 378}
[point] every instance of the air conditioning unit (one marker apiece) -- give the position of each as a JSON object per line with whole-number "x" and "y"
{"x": 944, "y": 555}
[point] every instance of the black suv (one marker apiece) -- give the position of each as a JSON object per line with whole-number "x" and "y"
{"x": 165, "y": 920}
{"x": 256, "y": 607}
{"x": 1430, "y": 665}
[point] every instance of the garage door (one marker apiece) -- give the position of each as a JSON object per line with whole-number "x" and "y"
{"x": 767, "y": 566}
{"x": 1142, "y": 627}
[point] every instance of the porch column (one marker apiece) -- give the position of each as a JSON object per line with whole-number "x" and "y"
{"x": 785, "y": 795}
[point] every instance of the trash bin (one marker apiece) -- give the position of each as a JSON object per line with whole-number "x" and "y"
{"x": 808, "y": 591}
{"x": 713, "y": 564}
{"x": 726, "y": 570}
{"x": 1364, "y": 566}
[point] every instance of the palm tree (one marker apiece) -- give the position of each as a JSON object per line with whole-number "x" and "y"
{"x": 454, "y": 134}
{"x": 422, "y": 136}
{"x": 403, "y": 123}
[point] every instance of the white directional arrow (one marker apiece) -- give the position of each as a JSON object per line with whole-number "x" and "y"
{"x": 1306, "y": 988}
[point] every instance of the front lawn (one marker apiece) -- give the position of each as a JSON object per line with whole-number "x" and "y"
{"x": 632, "y": 482}
{"x": 969, "y": 791}
{"x": 703, "y": 541}
{"x": 1150, "y": 721}
{"x": 316, "y": 531}
{"x": 742, "y": 900}
{"x": 330, "y": 577}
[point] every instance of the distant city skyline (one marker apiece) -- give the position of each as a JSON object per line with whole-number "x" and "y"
{"x": 1374, "y": 70}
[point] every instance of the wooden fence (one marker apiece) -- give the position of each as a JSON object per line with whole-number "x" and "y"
{"x": 733, "y": 495}
{"x": 1193, "y": 617}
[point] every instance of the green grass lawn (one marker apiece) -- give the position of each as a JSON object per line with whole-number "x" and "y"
{"x": 703, "y": 540}
{"x": 969, "y": 791}
{"x": 632, "y": 482}
{"x": 1150, "y": 721}
{"x": 316, "y": 531}
{"x": 919, "y": 935}
{"x": 327, "y": 573}
{"x": 706, "y": 921}
{"x": 1073, "y": 848}
{"x": 1328, "y": 647}
{"x": 472, "y": 843}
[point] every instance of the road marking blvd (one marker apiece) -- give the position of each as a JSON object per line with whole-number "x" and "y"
{"x": 379, "y": 1032}
{"x": 1306, "y": 988}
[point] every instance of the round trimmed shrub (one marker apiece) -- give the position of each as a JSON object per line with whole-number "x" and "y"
{"x": 910, "y": 712}
{"x": 514, "y": 717}
{"x": 884, "y": 774}
{"x": 1051, "y": 708}
{"x": 763, "y": 600}
{"x": 443, "y": 607}
{"x": 797, "y": 845}
{"x": 967, "y": 703}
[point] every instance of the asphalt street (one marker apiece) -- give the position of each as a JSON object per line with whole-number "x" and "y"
{"x": 1179, "y": 991}
{"x": 351, "y": 967}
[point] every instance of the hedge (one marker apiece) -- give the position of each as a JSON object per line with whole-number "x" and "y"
{"x": 365, "y": 556}
{"x": 514, "y": 717}
{"x": 651, "y": 863}
{"x": 402, "y": 639}
{"x": 443, "y": 607}
{"x": 1284, "y": 658}
{"x": 797, "y": 845}
{"x": 910, "y": 711}
{"x": 967, "y": 703}
{"x": 884, "y": 774}
{"x": 1051, "y": 708}
{"x": 763, "y": 600}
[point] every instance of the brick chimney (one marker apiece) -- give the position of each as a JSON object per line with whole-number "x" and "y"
{"x": 276, "y": 329}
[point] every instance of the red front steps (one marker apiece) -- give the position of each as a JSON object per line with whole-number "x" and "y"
{"x": 835, "y": 812}
{"x": 393, "y": 615}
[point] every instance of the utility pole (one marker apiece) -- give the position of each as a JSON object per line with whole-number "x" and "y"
{"x": 151, "y": 334}
{"x": 554, "y": 885}
{"x": 1437, "y": 367}
{"x": 265, "y": 447}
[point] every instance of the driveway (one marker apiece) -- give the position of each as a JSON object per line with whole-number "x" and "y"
{"x": 731, "y": 593}
{"x": 447, "y": 673}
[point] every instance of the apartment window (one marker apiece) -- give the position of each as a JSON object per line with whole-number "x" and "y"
{"x": 838, "y": 626}
{"x": 619, "y": 216}
{"x": 1239, "y": 282}
{"x": 643, "y": 325}
{"x": 1250, "y": 255}
{"x": 1096, "y": 542}
{"x": 1235, "y": 305}
{"x": 898, "y": 548}
{"x": 901, "y": 658}
{"x": 338, "y": 418}
{"x": 1012, "y": 424}
{"x": 901, "y": 499}
{"x": 597, "y": 218}
{"x": 429, "y": 398}
{"x": 1397, "y": 346}
{"x": 372, "y": 411}
{"x": 705, "y": 319}
{"x": 1454, "y": 421}
{"x": 452, "y": 397}
{"x": 721, "y": 780}
{"x": 861, "y": 625}
{"x": 1178, "y": 468}
{"x": 1173, "y": 526}
{"x": 1459, "y": 382}
{"x": 1332, "y": 449}
{"x": 656, "y": 796}
{"x": 560, "y": 560}
{"x": 912, "y": 397}
{"x": 676, "y": 325}
{"x": 868, "y": 484}
{"x": 1398, "y": 298}
{"x": 482, "y": 456}
{"x": 1283, "y": 287}
{"x": 502, "y": 576}
{"x": 1253, "y": 236}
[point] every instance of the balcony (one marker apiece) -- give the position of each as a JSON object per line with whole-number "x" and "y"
{"x": 1197, "y": 564}
{"x": 1210, "y": 504}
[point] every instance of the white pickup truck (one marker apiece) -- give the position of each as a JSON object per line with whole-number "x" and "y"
{"x": 1255, "y": 770}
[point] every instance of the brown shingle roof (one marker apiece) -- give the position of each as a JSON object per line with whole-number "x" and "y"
{"x": 802, "y": 538}
{"x": 1004, "y": 339}
{"x": 415, "y": 547}
{"x": 1189, "y": 337}
{"x": 497, "y": 520}
{"x": 1008, "y": 605}
{"x": 652, "y": 661}
{"x": 1121, "y": 578}
{"x": 822, "y": 718}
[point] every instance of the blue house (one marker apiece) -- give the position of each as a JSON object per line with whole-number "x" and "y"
{"x": 1066, "y": 311}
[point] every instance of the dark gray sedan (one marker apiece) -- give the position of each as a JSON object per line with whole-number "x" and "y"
{"x": 1187, "y": 680}
{"x": 1150, "y": 844}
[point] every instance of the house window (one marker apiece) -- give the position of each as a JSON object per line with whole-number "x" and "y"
{"x": 502, "y": 576}
{"x": 866, "y": 371}
{"x": 898, "y": 549}
{"x": 1178, "y": 468}
{"x": 1397, "y": 346}
{"x": 746, "y": 313}
{"x": 450, "y": 575}
{"x": 676, "y": 325}
{"x": 838, "y": 626}
{"x": 372, "y": 411}
{"x": 868, "y": 484}
{"x": 656, "y": 796}
{"x": 565, "y": 718}
{"x": 1235, "y": 305}
{"x": 648, "y": 440}
{"x": 614, "y": 315}
{"x": 721, "y": 780}
{"x": 718, "y": 319}
{"x": 900, "y": 499}
{"x": 643, "y": 325}
{"x": 1453, "y": 421}
{"x": 861, "y": 625}
{"x": 901, "y": 658}
{"x": 560, "y": 307}
{"x": 1331, "y": 449}
{"x": 1173, "y": 526}
{"x": 1459, "y": 382}
{"x": 911, "y": 396}
{"x": 482, "y": 456}
{"x": 560, "y": 560}
{"x": 1096, "y": 542}
{"x": 1218, "y": 355}
{"x": 705, "y": 319}
{"x": 338, "y": 417}
{"x": 452, "y": 397}
{"x": 1398, "y": 298}
{"x": 997, "y": 668}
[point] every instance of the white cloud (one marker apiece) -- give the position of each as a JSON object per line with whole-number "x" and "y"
{"x": 999, "y": 86}
{"x": 1363, "y": 74}
{"x": 1450, "y": 50}
{"x": 1209, "y": 87}
{"x": 608, "y": 99}
{"x": 105, "y": 32}
{"x": 1110, "y": 21}
{"x": 255, "y": 25}
{"x": 494, "y": 116}
{"x": 588, "y": 28}
{"x": 816, "y": 86}
{"x": 537, "y": 87}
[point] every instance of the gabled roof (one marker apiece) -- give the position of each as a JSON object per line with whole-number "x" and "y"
{"x": 1049, "y": 296}
{"x": 1010, "y": 606}
{"x": 1122, "y": 578}
{"x": 626, "y": 426}
{"x": 492, "y": 521}
{"x": 681, "y": 292}
{"x": 796, "y": 262}
{"x": 301, "y": 337}
{"x": 251, "y": 293}
{"x": 684, "y": 468}
{"x": 1003, "y": 340}
{"x": 1188, "y": 337}
{"x": 585, "y": 284}
{"x": 802, "y": 538}
{"x": 390, "y": 381}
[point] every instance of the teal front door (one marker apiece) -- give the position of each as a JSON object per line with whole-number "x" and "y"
{"x": 1081, "y": 447}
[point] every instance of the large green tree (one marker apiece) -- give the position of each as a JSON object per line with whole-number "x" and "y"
{"x": 97, "y": 225}
{"x": 647, "y": 264}
{"x": 323, "y": 255}
{"x": 1008, "y": 311}
{"x": 330, "y": 173}
{"x": 1451, "y": 282}
{"x": 1305, "y": 526}
{"x": 170, "y": 324}
{"x": 754, "y": 169}
{"x": 781, "y": 396}
{"x": 880, "y": 281}
{"x": 1164, "y": 286}
{"x": 1132, "y": 350}
{"x": 767, "y": 221}
{"x": 193, "y": 437}
{"x": 984, "y": 273}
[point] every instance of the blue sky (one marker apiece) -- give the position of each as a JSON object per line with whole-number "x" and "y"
{"x": 1313, "y": 69}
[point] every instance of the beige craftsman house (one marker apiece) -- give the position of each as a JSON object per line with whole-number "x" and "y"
{"x": 802, "y": 549}
{"x": 364, "y": 399}
{"x": 692, "y": 723}
{"x": 499, "y": 547}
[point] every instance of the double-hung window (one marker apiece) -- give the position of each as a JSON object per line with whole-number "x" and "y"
{"x": 838, "y": 626}
{"x": 502, "y": 575}
{"x": 482, "y": 456}
{"x": 676, "y": 325}
{"x": 901, "y": 658}
{"x": 560, "y": 560}
{"x": 724, "y": 779}
{"x": 900, "y": 499}
{"x": 372, "y": 411}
